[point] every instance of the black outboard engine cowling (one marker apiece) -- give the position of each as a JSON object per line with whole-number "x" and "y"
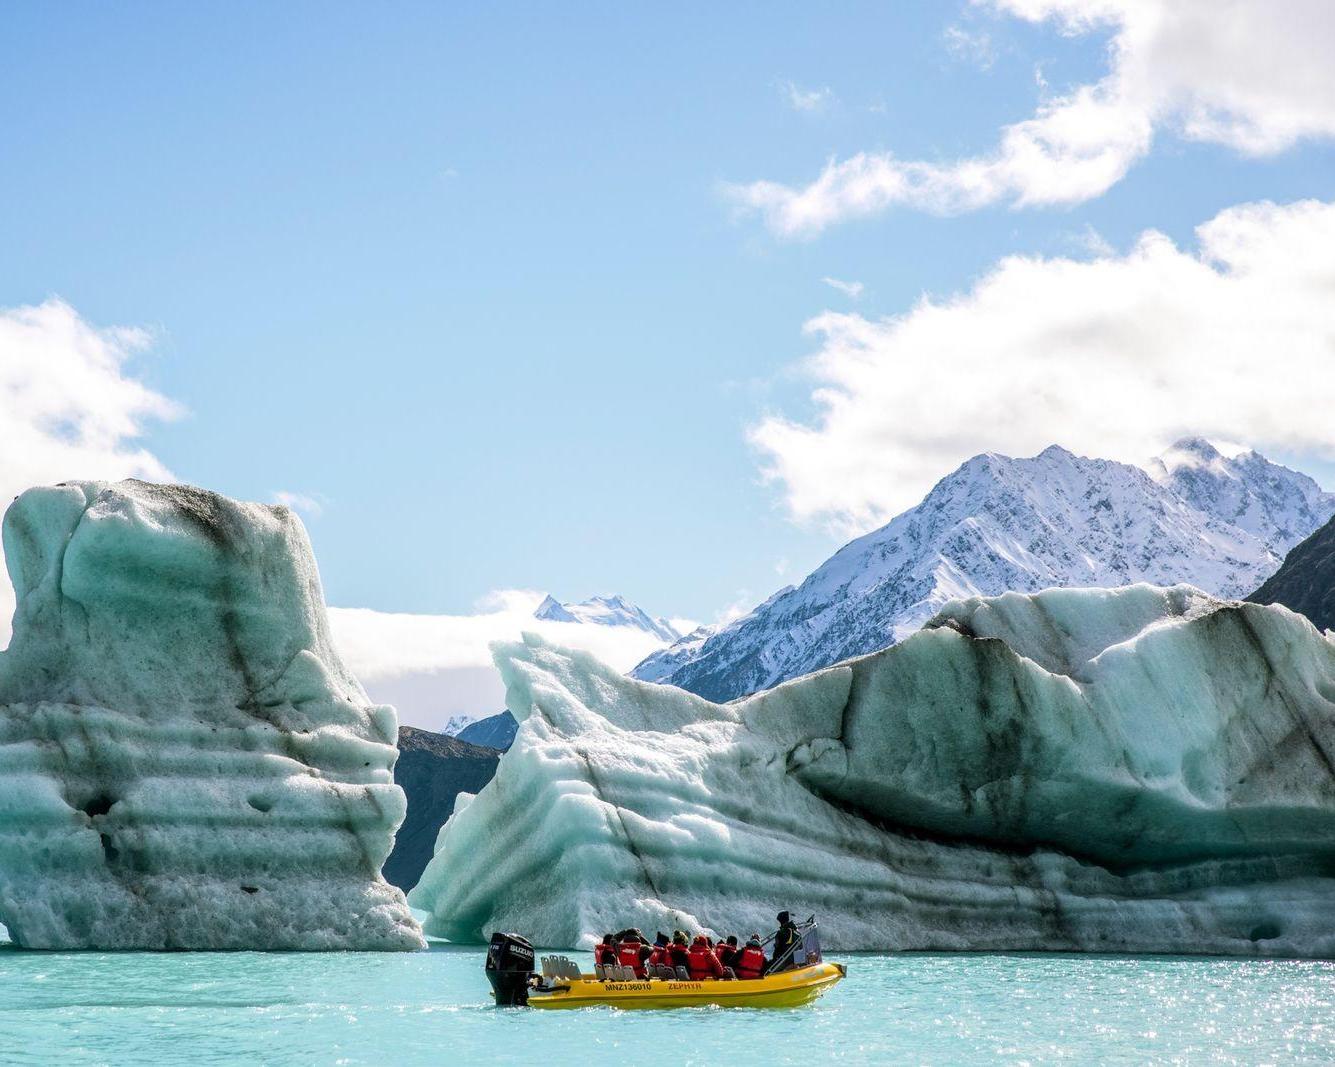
{"x": 509, "y": 967}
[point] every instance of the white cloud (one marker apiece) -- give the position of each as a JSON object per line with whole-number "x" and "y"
{"x": 69, "y": 407}
{"x": 312, "y": 505}
{"x": 1111, "y": 357}
{"x": 810, "y": 101}
{"x": 432, "y": 667}
{"x": 852, "y": 290}
{"x": 1256, "y": 77}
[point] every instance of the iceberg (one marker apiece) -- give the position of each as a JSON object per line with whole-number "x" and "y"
{"x": 1140, "y": 769}
{"x": 185, "y": 763}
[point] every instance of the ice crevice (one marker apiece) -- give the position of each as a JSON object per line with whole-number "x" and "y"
{"x": 1139, "y": 769}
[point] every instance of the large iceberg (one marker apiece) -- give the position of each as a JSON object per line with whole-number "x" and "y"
{"x": 1129, "y": 770}
{"x": 184, "y": 761}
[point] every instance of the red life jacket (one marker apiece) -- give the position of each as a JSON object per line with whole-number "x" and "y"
{"x": 628, "y": 955}
{"x": 750, "y": 962}
{"x": 702, "y": 963}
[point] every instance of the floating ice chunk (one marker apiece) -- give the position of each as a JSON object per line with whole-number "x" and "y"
{"x": 1101, "y": 770}
{"x": 184, "y": 760}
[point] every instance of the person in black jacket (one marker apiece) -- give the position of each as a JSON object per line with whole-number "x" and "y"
{"x": 726, "y": 950}
{"x": 781, "y": 955}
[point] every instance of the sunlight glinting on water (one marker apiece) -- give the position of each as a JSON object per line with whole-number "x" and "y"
{"x": 349, "y": 1008}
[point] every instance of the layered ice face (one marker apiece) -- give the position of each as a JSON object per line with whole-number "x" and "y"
{"x": 184, "y": 761}
{"x": 1139, "y": 769}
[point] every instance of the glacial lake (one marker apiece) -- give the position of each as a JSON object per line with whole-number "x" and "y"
{"x": 432, "y": 1008}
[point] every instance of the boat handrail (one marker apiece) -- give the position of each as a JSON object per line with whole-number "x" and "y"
{"x": 803, "y": 928}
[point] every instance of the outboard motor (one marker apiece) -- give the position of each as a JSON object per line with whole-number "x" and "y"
{"x": 509, "y": 967}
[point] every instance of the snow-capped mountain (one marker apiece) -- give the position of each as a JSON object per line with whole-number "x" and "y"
{"x": 456, "y": 723}
{"x": 1272, "y": 503}
{"x": 997, "y": 524}
{"x": 606, "y": 611}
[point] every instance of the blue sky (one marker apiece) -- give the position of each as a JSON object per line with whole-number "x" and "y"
{"x": 471, "y": 276}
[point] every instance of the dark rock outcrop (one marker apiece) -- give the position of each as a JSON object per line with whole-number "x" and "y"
{"x": 1306, "y": 581}
{"x": 432, "y": 770}
{"x": 495, "y": 731}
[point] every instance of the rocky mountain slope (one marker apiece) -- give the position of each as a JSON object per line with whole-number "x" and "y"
{"x": 495, "y": 731}
{"x": 1305, "y": 583}
{"x": 1194, "y": 516}
{"x": 432, "y": 770}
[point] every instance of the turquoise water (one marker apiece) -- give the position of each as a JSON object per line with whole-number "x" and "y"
{"x": 432, "y": 1007}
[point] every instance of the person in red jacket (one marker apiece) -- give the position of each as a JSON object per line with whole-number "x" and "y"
{"x": 606, "y": 951}
{"x": 632, "y": 952}
{"x": 750, "y": 962}
{"x": 701, "y": 962}
{"x": 677, "y": 951}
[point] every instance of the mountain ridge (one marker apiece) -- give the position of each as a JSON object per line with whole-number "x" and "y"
{"x": 997, "y": 524}
{"x": 614, "y": 610}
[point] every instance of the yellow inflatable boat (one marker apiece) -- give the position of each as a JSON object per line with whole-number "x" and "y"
{"x": 787, "y": 989}
{"x": 560, "y": 984}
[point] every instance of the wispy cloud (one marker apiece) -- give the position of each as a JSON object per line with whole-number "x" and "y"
{"x": 1256, "y": 78}
{"x": 971, "y": 46}
{"x": 1090, "y": 240}
{"x": 1112, "y": 356}
{"x": 852, "y": 290}
{"x": 810, "y": 101}
{"x": 742, "y": 604}
{"x": 310, "y": 504}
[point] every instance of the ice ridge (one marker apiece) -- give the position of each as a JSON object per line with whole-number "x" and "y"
{"x": 1131, "y": 770}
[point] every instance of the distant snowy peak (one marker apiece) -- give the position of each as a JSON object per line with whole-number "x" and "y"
{"x": 999, "y": 524}
{"x": 455, "y": 723}
{"x": 1273, "y": 503}
{"x": 497, "y": 731}
{"x": 606, "y": 611}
